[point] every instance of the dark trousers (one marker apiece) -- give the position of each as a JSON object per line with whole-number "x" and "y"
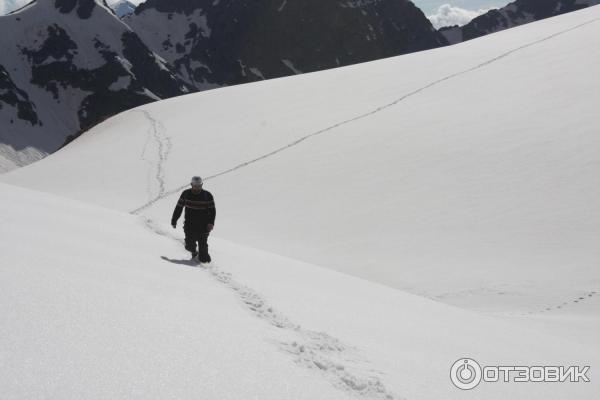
{"x": 193, "y": 236}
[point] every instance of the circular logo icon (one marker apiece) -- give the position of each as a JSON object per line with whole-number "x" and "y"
{"x": 465, "y": 373}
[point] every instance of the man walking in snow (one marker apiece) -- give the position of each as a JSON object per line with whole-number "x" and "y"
{"x": 199, "y": 221}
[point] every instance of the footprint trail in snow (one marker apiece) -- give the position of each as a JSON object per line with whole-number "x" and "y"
{"x": 157, "y": 134}
{"x": 340, "y": 364}
{"x": 364, "y": 115}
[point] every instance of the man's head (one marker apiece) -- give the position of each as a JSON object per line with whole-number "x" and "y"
{"x": 196, "y": 183}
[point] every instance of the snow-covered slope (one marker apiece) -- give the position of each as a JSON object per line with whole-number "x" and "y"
{"x": 97, "y": 304}
{"x": 463, "y": 170}
{"x": 66, "y": 65}
{"x": 466, "y": 174}
{"x": 84, "y": 316}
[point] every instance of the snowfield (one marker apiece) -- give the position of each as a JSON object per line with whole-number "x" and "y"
{"x": 375, "y": 223}
{"x": 108, "y": 306}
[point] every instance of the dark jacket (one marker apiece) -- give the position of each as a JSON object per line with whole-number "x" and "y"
{"x": 199, "y": 209}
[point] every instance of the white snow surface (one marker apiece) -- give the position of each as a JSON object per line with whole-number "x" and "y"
{"x": 100, "y": 304}
{"x": 450, "y": 195}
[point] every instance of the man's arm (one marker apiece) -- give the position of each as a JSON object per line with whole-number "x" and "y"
{"x": 212, "y": 213}
{"x": 178, "y": 210}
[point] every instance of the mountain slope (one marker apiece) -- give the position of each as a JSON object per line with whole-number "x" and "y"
{"x": 426, "y": 173}
{"x": 229, "y": 42}
{"x": 15, "y": 105}
{"x": 459, "y": 174}
{"x": 85, "y": 317}
{"x": 73, "y": 64}
{"x": 103, "y": 306}
{"x": 516, "y": 13}
{"x": 396, "y": 171}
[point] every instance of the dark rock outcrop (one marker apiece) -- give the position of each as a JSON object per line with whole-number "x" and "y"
{"x": 235, "y": 41}
{"x": 69, "y": 64}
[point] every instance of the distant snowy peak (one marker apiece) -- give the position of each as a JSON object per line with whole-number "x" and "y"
{"x": 66, "y": 65}
{"x": 514, "y": 14}
{"x": 224, "y": 42}
{"x": 123, "y": 8}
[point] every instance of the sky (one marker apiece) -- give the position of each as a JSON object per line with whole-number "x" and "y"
{"x": 440, "y": 12}
{"x": 430, "y": 7}
{"x": 456, "y": 12}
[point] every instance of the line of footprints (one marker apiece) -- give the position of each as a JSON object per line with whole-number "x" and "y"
{"x": 579, "y": 299}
